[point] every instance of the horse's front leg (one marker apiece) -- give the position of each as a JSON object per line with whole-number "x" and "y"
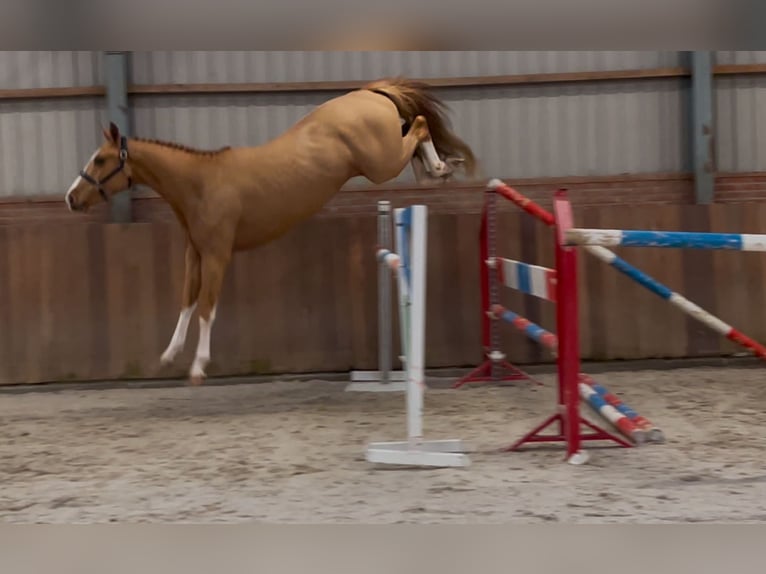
{"x": 188, "y": 304}
{"x": 422, "y": 175}
{"x": 434, "y": 164}
{"x": 426, "y": 163}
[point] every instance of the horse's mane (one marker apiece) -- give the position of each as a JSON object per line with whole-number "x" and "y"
{"x": 184, "y": 148}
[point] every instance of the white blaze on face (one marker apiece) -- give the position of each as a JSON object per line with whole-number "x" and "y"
{"x": 78, "y": 180}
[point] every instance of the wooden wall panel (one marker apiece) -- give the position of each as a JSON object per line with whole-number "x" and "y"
{"x": 97, "y": 301}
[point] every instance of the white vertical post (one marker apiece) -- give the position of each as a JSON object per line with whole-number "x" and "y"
{"x": 411, "y": 247}
{"x": 417, "y": 318}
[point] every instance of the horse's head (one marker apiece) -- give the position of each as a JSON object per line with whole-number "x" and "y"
{"x": 106, "y": 173}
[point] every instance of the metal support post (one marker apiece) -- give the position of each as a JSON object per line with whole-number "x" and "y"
{"x": 116, "y": 76}
{"x": 703, "y": 146}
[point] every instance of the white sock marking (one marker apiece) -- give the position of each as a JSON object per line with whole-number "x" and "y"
{"x": 179, "y": 335}
{"x": 202, "y": 357}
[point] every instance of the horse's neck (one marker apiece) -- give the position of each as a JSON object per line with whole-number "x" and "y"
{"x": 166, "y": 171}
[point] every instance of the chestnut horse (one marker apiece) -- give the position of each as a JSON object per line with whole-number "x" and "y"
{"x": 238, "y": 198}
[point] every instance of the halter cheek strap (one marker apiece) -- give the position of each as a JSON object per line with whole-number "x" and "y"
{"x": 100, "y": 183}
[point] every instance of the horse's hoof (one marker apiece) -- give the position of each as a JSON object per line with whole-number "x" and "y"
{"x": 442, "y": 171}
{"x": 196, "y": 380}
{"x": 168, "y": 357}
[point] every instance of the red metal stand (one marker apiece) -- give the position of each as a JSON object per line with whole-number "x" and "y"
{"x": 568, "y": 412}
{"x": 493, "y": 371}
{"x": 494, "y": 368}
{"x": 533, "y": 436}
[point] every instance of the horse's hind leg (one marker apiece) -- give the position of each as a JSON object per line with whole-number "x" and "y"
{"x": 212, "y": 269}
{"x": 188, "y": 304}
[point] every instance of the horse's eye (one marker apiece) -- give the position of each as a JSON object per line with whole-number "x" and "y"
{"x": 98, "y": 162}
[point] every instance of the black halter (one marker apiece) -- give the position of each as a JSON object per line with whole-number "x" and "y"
{"x": 406, "y": 125}
{"x": 99, "y": 184}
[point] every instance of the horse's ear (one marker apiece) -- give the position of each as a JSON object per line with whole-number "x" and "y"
{"x": 114, "y": 132}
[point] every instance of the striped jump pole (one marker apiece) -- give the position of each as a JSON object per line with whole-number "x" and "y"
{"x": 607, "y": 404}
{"x": 525, "y": 277}
{"x": 609, "y": 257}
{"x": 653, "y": 433}
{"x": 532, "y": 330}
{"x": 670, "y": 239}
{"x": 408, "y": 263}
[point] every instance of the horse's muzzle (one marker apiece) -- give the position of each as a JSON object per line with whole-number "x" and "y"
{"x": 74, "y": 205}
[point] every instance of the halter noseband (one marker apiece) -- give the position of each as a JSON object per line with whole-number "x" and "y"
{"x": 99, "y": 184}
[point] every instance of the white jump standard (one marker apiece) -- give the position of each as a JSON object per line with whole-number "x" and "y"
{"x": 409, "y": 265}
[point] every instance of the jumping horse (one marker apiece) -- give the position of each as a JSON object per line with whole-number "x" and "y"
{"x": 238, "y": 198}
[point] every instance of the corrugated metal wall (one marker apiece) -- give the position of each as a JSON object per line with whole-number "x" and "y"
{"x": 578, "y": 129}
{"x": 44, "y": 143}
{"x": 740, "y": 57}
{"x": 741, "y": 115}
{"x": 633, "y": 127}
{"x": 600, "y": 128}
{"x": 59, "y": 69}
{"x": 540, "y": 131}
{"x": 740, "y": 110}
